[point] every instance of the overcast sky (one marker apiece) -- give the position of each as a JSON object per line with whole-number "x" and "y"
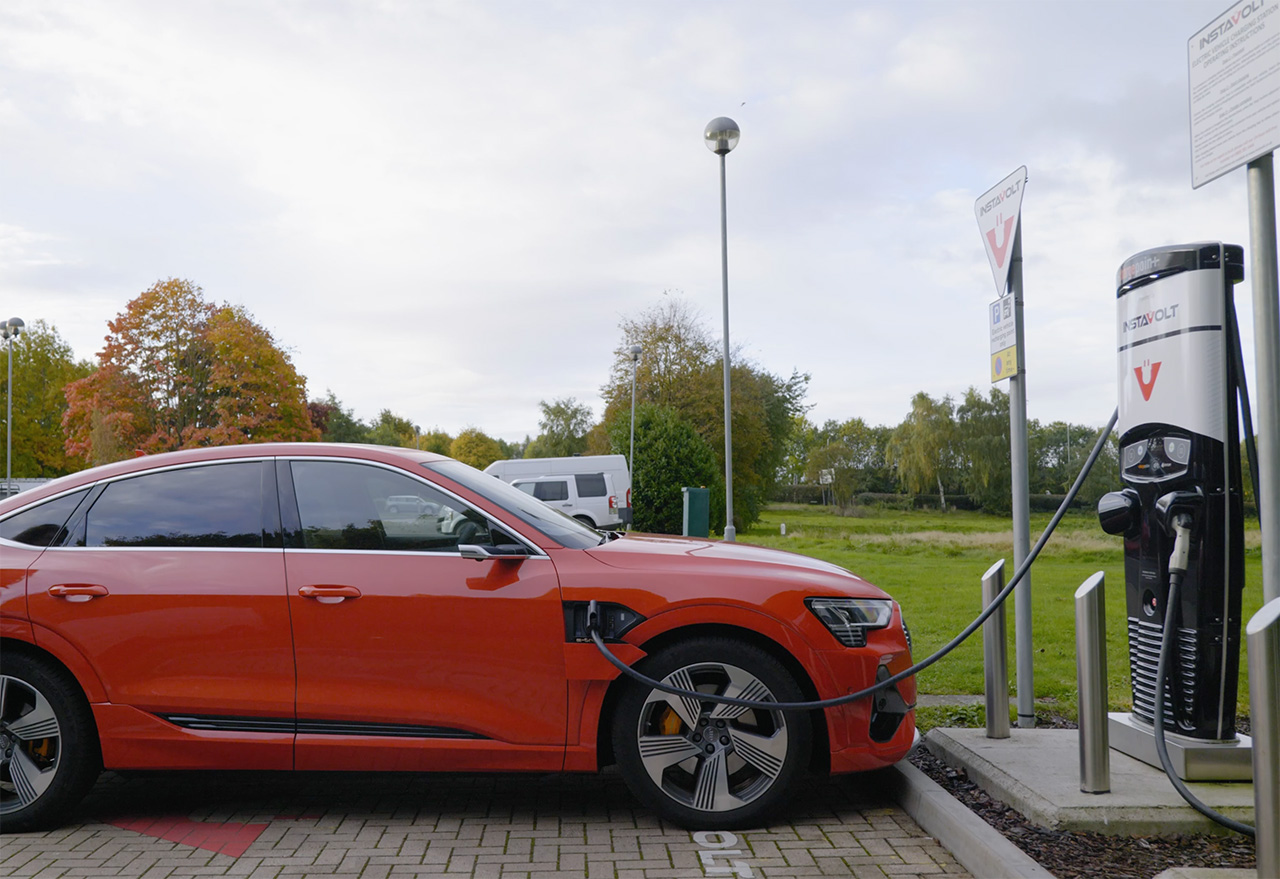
{"x": 446, "y": 208}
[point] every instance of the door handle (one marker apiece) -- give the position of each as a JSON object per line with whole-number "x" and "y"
{"x": 327, "y": 594}
{"x": 78, "y": 592}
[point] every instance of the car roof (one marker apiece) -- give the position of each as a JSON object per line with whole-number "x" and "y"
{"x": 396, "y": 455}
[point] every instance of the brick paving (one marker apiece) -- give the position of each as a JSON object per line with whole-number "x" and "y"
{"x": 352, "y": 826}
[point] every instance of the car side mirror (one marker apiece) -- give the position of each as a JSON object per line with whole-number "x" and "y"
{"x": 502, "y": 546}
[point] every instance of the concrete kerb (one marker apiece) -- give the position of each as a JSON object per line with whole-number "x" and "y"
{"x": 979, "y": 847}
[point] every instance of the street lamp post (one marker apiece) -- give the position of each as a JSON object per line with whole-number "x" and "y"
{"x": 635, "y": 361}
{"x": 721, "y": 136}
{"x": 9, "y": 331}
{"x": 631, "y": 460}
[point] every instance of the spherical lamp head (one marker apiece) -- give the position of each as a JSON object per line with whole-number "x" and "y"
{"x": 13, "y": 327}
{"x": 635, "y": 352}
{"x": 721, "y": 135}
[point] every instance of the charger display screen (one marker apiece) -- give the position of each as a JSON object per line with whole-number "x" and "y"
{"x": 1156, "y": 458}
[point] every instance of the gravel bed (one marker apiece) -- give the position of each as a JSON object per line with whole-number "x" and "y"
{"x": 1083, "y": 855}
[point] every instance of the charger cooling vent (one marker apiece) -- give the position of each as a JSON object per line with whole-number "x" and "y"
{"x": 1144, "y": 658}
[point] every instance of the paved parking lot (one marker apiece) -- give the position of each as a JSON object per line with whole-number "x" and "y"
{"x": 451, "y": 826}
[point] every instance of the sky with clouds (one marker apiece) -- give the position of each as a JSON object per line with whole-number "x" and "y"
{"x": 446, "y": 208}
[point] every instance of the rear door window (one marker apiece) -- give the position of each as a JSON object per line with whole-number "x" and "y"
{"x": 591, "y": 485}
{"x": 211, "y": 506}
{"x": 551, "y": 491}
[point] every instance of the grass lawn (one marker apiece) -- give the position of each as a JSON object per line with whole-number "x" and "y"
{"x": 933, "y": 563}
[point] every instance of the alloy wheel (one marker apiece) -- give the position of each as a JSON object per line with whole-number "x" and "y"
{"x": 30, "y": 744}
{"x": 708, "y": 756}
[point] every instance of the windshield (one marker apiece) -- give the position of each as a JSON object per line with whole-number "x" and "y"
{"x": 564, "y": 530}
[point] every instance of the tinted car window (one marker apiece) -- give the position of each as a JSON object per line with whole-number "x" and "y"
{"x": 216, "y": 505}
{"x": 42, "y": 524}
{"x": 565, "y": 530}
{"x": 358, "y": 507}
{"x": 590, "y": 484}
{"x": 551, "y": 491}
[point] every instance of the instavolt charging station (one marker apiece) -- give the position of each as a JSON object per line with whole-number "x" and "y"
{"x": 1180, "y": 456}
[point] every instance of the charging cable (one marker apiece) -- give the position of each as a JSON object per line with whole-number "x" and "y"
{"x": 1242, "y": 391}
{"x": 1177, "y": 571}
{"x": 593, "y": 621}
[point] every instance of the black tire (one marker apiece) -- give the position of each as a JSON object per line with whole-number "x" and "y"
{"x": 49, "y": 754}
{"x": 762, "y": 755}
{"x": 586, "y": 520}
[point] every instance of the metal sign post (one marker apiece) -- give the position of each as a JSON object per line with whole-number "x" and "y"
{"x": 999, "y": 214}
{"x": 1235, "y": 120}
{"x": 1266, "y": 335}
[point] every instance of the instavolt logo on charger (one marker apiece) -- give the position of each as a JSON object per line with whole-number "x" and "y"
{"x": 1155, "y": 316}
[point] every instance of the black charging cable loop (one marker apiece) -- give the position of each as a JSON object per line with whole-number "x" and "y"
{"x": 1171, "y": 609}
{"x": 593, "y": 628}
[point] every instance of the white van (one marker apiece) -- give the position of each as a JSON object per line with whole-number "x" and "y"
{"x": 593, "y": 488}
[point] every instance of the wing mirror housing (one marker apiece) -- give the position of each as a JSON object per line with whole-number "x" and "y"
{"x": 503, "y": 547}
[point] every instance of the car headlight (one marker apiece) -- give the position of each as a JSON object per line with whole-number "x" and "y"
{"x": 850, "y": 618}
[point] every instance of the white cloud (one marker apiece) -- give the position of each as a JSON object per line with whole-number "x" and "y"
{"x": 446, "y": 208}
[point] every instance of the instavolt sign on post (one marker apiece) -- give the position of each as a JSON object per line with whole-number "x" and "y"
{"x": 999, "y": 214}
{"x": 1234, "y": 89}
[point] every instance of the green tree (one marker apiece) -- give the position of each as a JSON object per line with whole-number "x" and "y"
{"x": 1058, "y": 450}
{"x": 853, "y": 456}
{"x": 336, "y": 424}
{"x": 921, "y": 446}
{"x": 681, "y": 368}
{"x": 392, "y": 430}
{"x": 179, "y": 372}
{"x": 670, "y": 455}
{"x": 43, "y": 365}
{"x": 982, "y": 446}
{"x": 473, "y": 446}
{"x": 1105, "y": 475}
{"x": 437, "y": 441}
{"x": 564, "y": 425}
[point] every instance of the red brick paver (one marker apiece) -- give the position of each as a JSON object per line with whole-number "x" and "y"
{"x": 349, "y": 826}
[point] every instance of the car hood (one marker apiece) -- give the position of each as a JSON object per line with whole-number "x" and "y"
{"x": 739, "y": 561}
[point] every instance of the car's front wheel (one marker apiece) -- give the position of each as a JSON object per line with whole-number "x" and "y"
{"x": 706, "y": 765}
{"x": 48, "y": 744}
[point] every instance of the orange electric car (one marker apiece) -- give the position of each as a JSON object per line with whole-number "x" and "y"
{"x": 326, "y": 607}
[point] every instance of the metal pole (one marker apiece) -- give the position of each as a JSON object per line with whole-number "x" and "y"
{"x": 631, "y": 460}
{"x": 1263, "y": 637}
{"x": 1091, "y": 675}
{"x": 1266, "y": 334}
{"x": 730, "y": 533}
{"x": 1021, "y": 501}
{"x": 995, "y": 656}
{"x": 8, "y": 417}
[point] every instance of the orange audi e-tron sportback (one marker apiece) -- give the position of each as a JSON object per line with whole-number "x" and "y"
{"x": 282, "y": 607}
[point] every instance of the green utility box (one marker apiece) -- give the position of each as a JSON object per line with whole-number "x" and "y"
{"x": 697, "y": 512}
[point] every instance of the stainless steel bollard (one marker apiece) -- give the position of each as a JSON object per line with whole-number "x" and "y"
{"x": 1091, "y": 675}
{"x": 995, "y": 656}
{"x": 1263, "y": 637}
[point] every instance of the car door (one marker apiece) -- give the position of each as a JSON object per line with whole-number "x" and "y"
{"x": 171, "y": 585}
{"x": 408, "y": 655}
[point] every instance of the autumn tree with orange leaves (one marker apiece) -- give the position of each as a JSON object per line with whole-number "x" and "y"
{"x": 179, "y": 372}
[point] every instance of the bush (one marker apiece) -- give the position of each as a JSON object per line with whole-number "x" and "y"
{"x": 670, "y": 455}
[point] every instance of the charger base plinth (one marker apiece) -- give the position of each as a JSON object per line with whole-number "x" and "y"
{"x": 1192, "y": 759}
